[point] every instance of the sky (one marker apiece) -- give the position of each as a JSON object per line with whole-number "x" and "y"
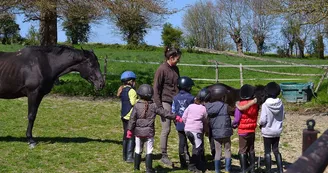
{"x": 103, "y": 32}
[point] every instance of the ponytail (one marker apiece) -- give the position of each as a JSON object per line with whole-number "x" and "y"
{"x": 146, "y": 110}
{"x": 119, "y": 90}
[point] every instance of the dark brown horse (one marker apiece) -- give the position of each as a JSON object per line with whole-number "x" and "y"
{"x": 31, "y": 72}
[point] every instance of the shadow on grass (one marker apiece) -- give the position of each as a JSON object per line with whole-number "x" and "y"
{"x": 59, "y": 140}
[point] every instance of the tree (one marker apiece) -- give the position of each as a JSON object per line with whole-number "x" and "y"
{"x": 260, "y": 24}
{"x": 33, "y": 36}
{"x": 9, "y": 29}
{"x": 77, "y": 27}
{"x": 171, "y": 36}
{"x": 313, "y": 11}
{"x": 134, "y": 18}
{"x": 233, "y": 13}
{"x": 47, "y": 12}
{"x": 202, "y": 23}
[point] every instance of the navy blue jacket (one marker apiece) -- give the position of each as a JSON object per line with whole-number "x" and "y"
{"x": 219, "y": 119}
{"x": 180, "y": 102}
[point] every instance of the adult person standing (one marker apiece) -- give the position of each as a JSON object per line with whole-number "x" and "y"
{"x": 165, "y": 88}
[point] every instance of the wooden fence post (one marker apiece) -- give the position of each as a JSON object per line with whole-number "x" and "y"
{"x": 322, "y": 78}
{"x": 216, "y": 70}
{"x": 241, "y": 75}
{"x": 105, "y": 68}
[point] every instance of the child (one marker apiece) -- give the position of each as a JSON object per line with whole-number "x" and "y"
{"x": 195, "y": 119}
{"x": 271, "y": 119}
{"x": 142, "y": 124}
{"x": 246, "y": 115}
{"x": 180, "y": 102}
{"x": 128, "y": 97}
{"x": 220, "y": 125}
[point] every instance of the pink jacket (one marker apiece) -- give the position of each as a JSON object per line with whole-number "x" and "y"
{"x": 195, "y": 117}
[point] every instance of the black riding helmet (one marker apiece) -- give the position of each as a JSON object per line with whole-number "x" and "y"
{"x": 203, "y": 95}
{"x": 185, "y": 83}
{"x": 247, "y": 92}
{"x": 218, "y": 93}
{"x": 272, "y": 89}
{"x": 145, "y": 91}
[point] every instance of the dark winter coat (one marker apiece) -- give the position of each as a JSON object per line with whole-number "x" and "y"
{"x": 219, "y": 119}
{"x": 180, "y": 103}
{"x": 165, "y": 84}
{"x": 142, "y": 119}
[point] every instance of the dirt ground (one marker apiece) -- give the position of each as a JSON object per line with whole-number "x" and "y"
{"x": 291, "y": 139}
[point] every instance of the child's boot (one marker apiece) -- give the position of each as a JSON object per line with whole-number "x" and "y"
{"x": 279, "y": 162}
{"x": 243, "y": 162}
{"x": 252, "y": 161}
{"x": 217, "y": 166}
{"x": 149, "y": 163}
{"x": 124, "y": 144}
{"x": 227, "y": 165}
{"x": 137, "y": 161}
{"x": 130, "y": 150}
{"x": 183, "y": 161}
{"x": 267, "y": 158}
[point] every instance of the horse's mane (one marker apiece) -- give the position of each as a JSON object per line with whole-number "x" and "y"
{"x": 227, "y": 86}
{"x": 58, "y": 49}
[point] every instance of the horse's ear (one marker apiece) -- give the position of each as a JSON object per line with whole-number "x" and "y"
{"x": 82, "y": 49}
{"x": 92, "y": 50}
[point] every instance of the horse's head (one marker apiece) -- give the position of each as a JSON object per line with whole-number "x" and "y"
{"x": 90, "y": 70}
{"x": 260, "y": 94}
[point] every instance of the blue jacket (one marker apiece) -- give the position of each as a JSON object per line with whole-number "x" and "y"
{"x": 219, "y": 119}
{"x": 180, "y": 102}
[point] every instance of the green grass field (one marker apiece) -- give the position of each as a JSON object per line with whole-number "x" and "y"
{"x": 74, "y": 135}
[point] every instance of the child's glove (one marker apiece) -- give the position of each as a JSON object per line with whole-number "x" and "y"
{"x": 178, "y": 119}
{"x": 129, "y": 134}
{"x": 234, "y": 125}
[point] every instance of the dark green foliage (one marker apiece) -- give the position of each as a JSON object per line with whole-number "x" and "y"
{"x": 77, "y": 29}
{"x": 9, "y": 29}
{"x": 171, "y": 36}
{"x": 189, "y": 42}
{"x": 33, "y": 37}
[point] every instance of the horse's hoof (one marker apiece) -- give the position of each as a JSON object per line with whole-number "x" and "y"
{"x": 32, "y": 145}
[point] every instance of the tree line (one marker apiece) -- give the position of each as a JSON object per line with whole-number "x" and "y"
{"x": 292, "y": 27}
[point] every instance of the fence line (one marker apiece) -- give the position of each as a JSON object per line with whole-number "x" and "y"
{"x": 252, "y": 57}
{"x": 221, "y": 65}
{"x": 252, "y": 79}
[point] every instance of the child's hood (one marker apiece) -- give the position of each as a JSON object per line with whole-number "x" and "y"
{"x": 274, "y": 104}
{"x": 213, "y": 108}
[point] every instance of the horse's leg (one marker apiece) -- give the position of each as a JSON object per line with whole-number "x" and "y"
{"x": 34, "y": 100}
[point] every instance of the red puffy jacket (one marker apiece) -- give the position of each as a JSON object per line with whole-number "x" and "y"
{"x": 248, "y": 119}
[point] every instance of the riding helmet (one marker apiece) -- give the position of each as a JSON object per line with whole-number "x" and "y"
{"x": 247, "y": 92}
{"x": 185, "y": 83}
{"x": 145, "y": 91}
{"x": 218, "y": 92}
{"x": 128, "y": 75}
{"x": 203, "y": 95}
{"x": 272, "y": 89}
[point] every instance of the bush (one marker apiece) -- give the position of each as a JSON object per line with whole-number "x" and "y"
{"x": 282, "y": 52}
